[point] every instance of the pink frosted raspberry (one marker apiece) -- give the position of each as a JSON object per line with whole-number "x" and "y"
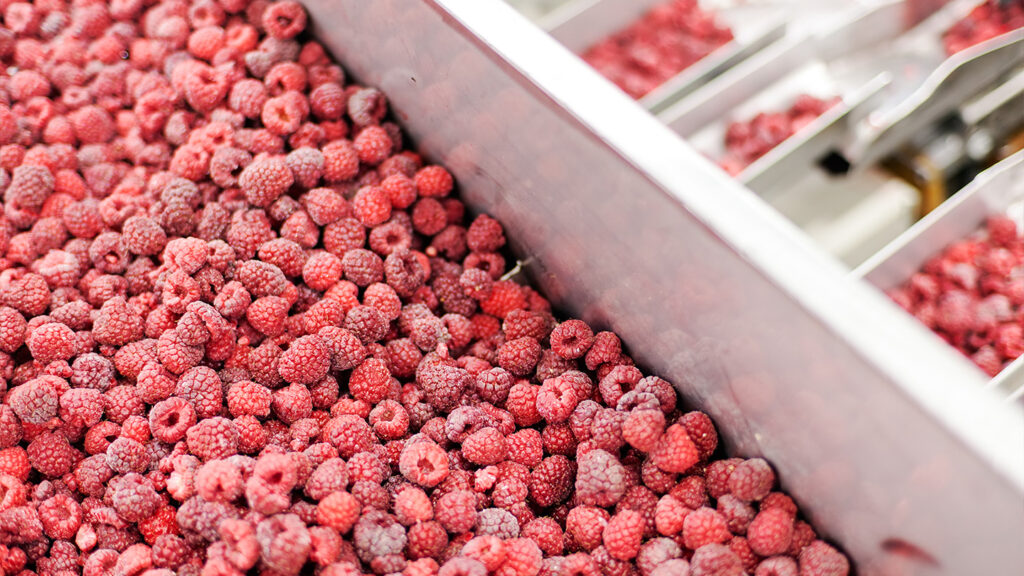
{"x": 551, "y": 481}
{"x": 267, "y": 314}
{"x": 433, "y": 182}
{"x": 485, "y": 447}
{"x": 623, "y": 533}
{"x": 51, "y": 455}
{"x": 704, "y": 526}
{"x": 423, "y": 463}
{"x": 820, "y": 559}
{"x": 339, "y": 510}
{"x": 292, "y": 403}
{"x": 284, "y": 20}
{"x": 249, "y": 398}
{"x": 751, "y": 480}
{"x": 556, "y": 400}
{"x": 12, "y": 329}
{"x": 717, "y": 560}
{"x": 126, "y": 455}
{"x": 363, "y": 267}
{"x": 213, "y": 438}
{"x": 643, "y": 428}
{"x": 601, "y": 479}
{"x": 443, "y": 384}
{"x": 306, "y": 361}
{"x": 370, "y": 381}
{"x": 37, "y": 401}
{"x": 81, "y": 407}
{"x": 771, "y": 532}
{"x": 203, "y": 388}
{"x": 265, "y": 179}
{"x": 349, "y": 433}
{"x": 52, "y": 341}
{"x": 322, "y": 270}
{"x": 456, "y": 511}
{"x": 60, "y": 516}
{"x": 675, "y": 452}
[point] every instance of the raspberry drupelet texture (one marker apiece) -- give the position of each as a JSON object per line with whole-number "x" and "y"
{"x": 245, "y": 329}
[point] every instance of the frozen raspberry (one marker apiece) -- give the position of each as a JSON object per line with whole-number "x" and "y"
{"x": 771, "y": 532}
{"x": 322, "y": 270}
{"x": 412, "y": 505}
{"x": 643, "y": 428}
{"x": 284, "y": 20}
{"x": 36, "y": 401}
{"x": 363, "y": 267}
{"x": 60, "y": 516}
{"x": 213, "y": 438}
{"x": 341, "y": 161}
{"x": 715, "y": 560}
{"x": 306, "y": 361}
{"x": 348, "y": 433}
{"x": 265, "y": 179}
{"x": 443, "y": 384}
{"x": 556, "y": 400}
{"x": 51, "y": 455}
{"x": 81, "y": 407}
{"x": 704, "y": 526}
{"x": 601, "y": 479}
{"x": 423, "y": 463}
{"x": 12, "y": 329}
{"x": 284, "y": 543}
{"x": 751, "y": 480}
{"x": 820, "y": 559}
{"x": 267, "y": 315}
{"x": 551, "y": 481}
{"x": 777, "y": 566}
{"x": 51, "y": 342}
{"x": 116, "y": 324}
{"x": 485, "y": 447}
{"x": 433, "y": 182}
{"x": 675, "y": 452}
{"x": 546, "y": 533}
{"x": 456, "y": 511}
{"x": 126, "y": 455}
{"x": 377, "y": 533}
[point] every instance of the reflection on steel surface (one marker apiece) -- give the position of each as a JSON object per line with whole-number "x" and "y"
{"x": 876, "y": 427}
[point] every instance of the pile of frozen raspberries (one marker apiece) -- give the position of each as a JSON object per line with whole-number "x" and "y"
{"x": 245, "y": 331}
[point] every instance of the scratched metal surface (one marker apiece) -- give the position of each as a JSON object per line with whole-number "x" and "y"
{"x": 885, "y": 438}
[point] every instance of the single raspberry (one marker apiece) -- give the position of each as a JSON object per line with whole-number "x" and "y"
{"x": 203, "y": 388}
{"x": 643, "y": 428}
{"x": 505, "y": 297}
{"x": 306, "y": 361}
{"x": 424, "y": 463}
{"x": 456, "y": 511}
{"x": 412, "y": 505}
{"x": 820, "y": 559}
{"x": 669, "y": 515}
{"x": 170, "y": 419}
{"x": 777, "y": 566}
{"x": 81, "y": 407}
{"x": 715, "y": 560}
{"x": 126, "y": 455}
{"x": 348, "y": 433}
{"x": 284, "y": 543}
{"x": 551, "y": 481}
{"x": 347, "y": 351}
{"x": 522, "y": 558}
{"x": 497, "y": 522}
{"x": 60, "y": 516}
{"x": 443, "y": 384}
{"x": 376, "y": 534}
{"x": 267, "y": 315}
{"x": 485, "y": 447}
{"x": 556, "y": 400}
{"x": 751, "y": 480}
{"x": 771, "y": 532}
{"x": 341, "y": 161}
{"x": 213, "y": 438}
{"x": 265, "y": 179}
{"x": 37, "y": 401}
{"x": 675, "y": 452}
{"x": 704, "y": 526}
{"x": 547, "y": 534}
{"x": 51, "y": 455}
{"x": 293, "y": 403}
{"x": 284, "y": 20}
{"x": 12, "y": 329}
{"x": 433, "y": 182}
{"x": 363, "y": 267}
{"x": 370, "y": 381}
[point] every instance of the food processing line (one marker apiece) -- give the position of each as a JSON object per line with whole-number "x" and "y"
{"x": 900, "y": 450}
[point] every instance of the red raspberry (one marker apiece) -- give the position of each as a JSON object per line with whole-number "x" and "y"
{"x": 701, "y": 431}
{"x": 675, "y": 452}
{"x": 265, "y": 179}
{"x": 81, "y": 407}
{"x": 284, "y": 542}
{"x": 363, "y": 267}
{"x": 427, "y": 539}
{"x": 52, "y": 341}
{"x": 777, "y": 566}
{"x": 213, "y": 438}
{"x": 306, "y": 361}
{"x": 771, "y": 532}
{"x": 203, "y": 388}
{"x": 293, "y": 403}
{"x": 267, "y": 315}
{"x": 485, "y": 447}
{"x": 249, "y": 398}
{"x": 526, "y": 447}
{"x": 51, "y": 455}
{"x": 341, "y": 161}
{"x": 497, "y": 522}
{"x": 551, "y": 481}
{"x": 601, "y": 479}
{"x": 125, "y": 455}
{"x": 347, "y": 351}
{"x": 60, "y": 516}
{"x": 170, "y": 419}
{"x": 505, "y": 297}
{"x": 412, "y": 505}
{"x": 433, "y": 182}
{"x": 669, "y": 516}
{"x": 522, "y": 403}
{"x": 751, "y": 480}
{"x": 704, "y": 526}
{"x": 522, "y": 558}
{"x": 12, "y": 329}
{"x": 429, "y": 217}
{"x": 423, "y": 463}
{"x": 376, "y": 534}
{"x": 373, "y": 145}
{"x": 717, "y": 560}
{"x": 443, "y": 384}
{"x": 370, "y": 381}
{"x": 820, "y": 559}
{"x": 371, "y": 204}
{"x": 348, "y": 433}
{"x": 643, "y": 428}
{"x": 547, "y": 534}
{"x": 37, "y": 401}
{"x": 284, "y": 20}
{"x": 456, "y": 511}
{"x": 623, "y": 534}
{"x": 556, "y": 399}
{"x": 30, "y": 296}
